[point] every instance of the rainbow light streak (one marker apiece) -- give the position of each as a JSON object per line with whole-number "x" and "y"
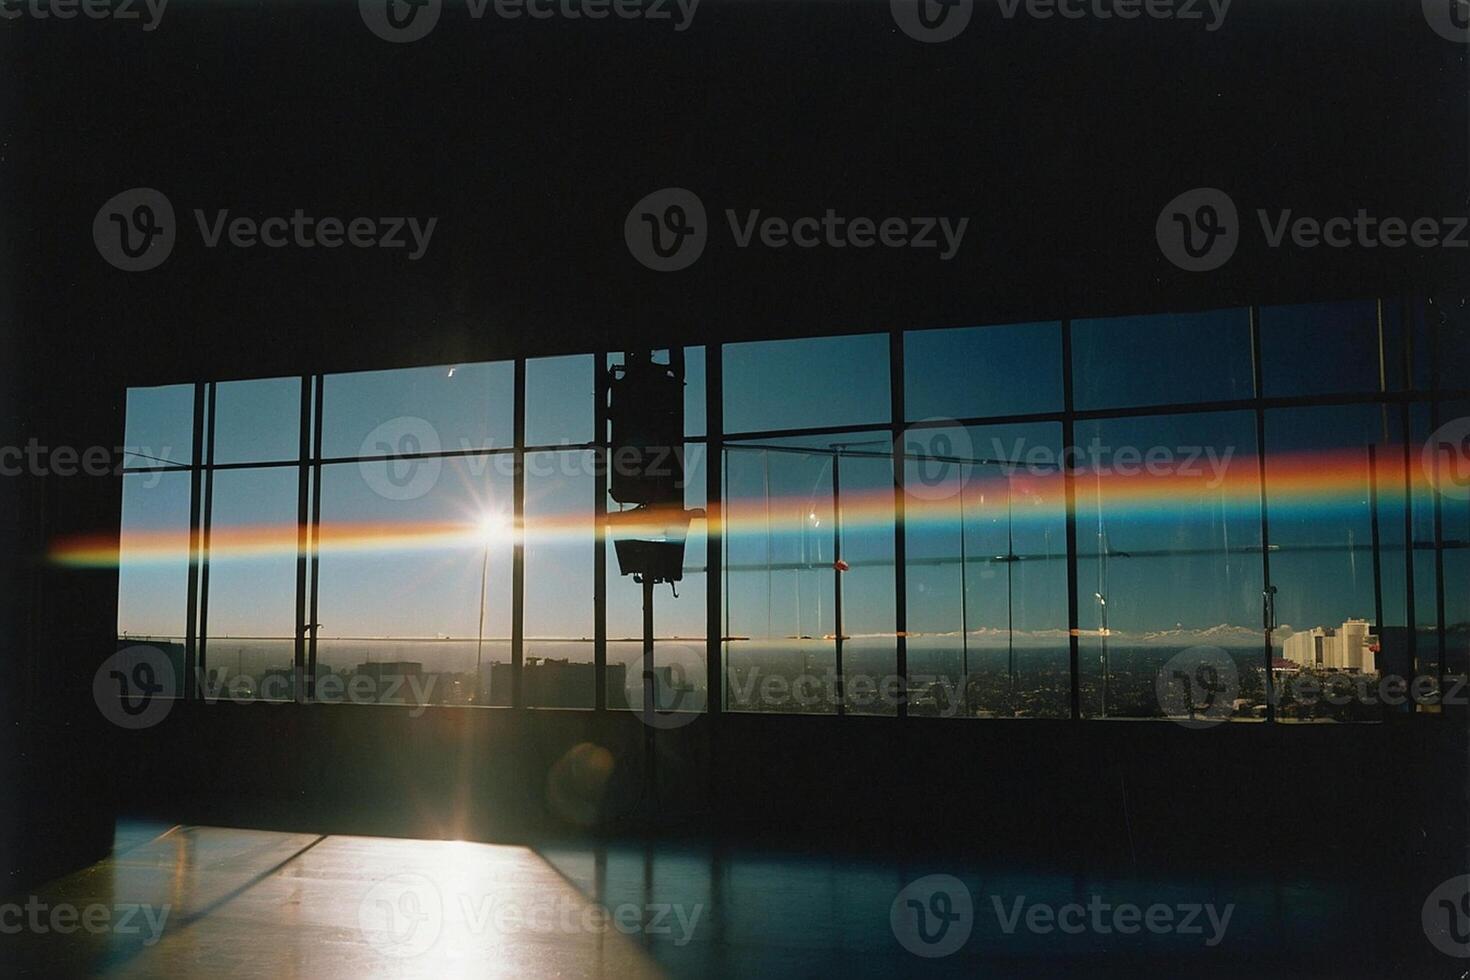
{"x": 1304, "y": 486}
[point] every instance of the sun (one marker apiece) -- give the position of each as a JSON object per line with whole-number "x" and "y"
{"x": 492, "y": 526}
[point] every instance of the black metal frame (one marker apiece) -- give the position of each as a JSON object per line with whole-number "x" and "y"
{"x": 310, "y": 463}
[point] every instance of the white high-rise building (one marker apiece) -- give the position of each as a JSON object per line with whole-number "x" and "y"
{"x": 1306, "y": 647}
{"x": 1354, "y": 647}
{"x": 1350, "y": 647}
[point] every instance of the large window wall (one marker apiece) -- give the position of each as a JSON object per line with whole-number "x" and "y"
{"x": 1131, "y": 517}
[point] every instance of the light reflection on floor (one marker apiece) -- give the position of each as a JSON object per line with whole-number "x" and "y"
{"x": 771, "y": 913}
{"x": 252, "y": 903}
{"x": 249, "y": 903}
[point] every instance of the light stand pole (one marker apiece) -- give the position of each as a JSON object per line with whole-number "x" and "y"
{"x": 1103, "y": 604}
{"x": 840, "y": 693}
{"x": 650, "y": 687}
{"x": 480, "y": 635}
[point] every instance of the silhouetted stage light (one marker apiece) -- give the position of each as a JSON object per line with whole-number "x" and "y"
{"x": 646, "y": 469}
{"x": 646, "y": 409}
{"x": 650, "y": 541}
{"x": 646, "y": 463}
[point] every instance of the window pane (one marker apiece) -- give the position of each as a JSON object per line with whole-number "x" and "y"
{"x": 160, "y": 426}
{"x": 1425, "y": 639}
{"x": 864, "y": 519}
{"x": 987, "y": 572}
{"x": 793, "y": 512}
{"x": 251, "y": 609}
{"x": 560, "y": 536}
{"x": 1329, "y": 473}
{"x": 694, "y": 395}
{"x": 1453, "y": 327}
{"x": 819, "y": 382}
{"x": 560, "y": 396}
{"x": 401, "y": 581}
{"x": 257, "y": 421}
{"x": 1408, "y": 332}
{"x": 1319, "y": 348}
{"x": 1451, "y": 473}
{"x": 780, "y": 625}
{"x": 1161, "y": 360}
{"x": 1457, "y": 613}
{"x": 1169, "y": 566}
{"x": 453, "y": 408}
{"x": 977, "y": 371}
{"x": 153, "y": 566}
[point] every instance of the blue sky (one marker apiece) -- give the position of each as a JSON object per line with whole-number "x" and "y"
{"x": 1203, "y": 566}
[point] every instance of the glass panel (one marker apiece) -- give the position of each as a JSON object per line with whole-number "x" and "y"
{"x": 160, "y": 426}
{"x": 560, "y": 536}
{"x": 814, "y": 383}
{"x": 251, "y": 608}
{"x": 1334, "y": 484}
{"x": 976, "y": 371}
{"x": 678, "y": 622}
{"x": 1452, "y": 323}
{"x": 694, "y": 393}
{"x": 561, "y": 393}
{"x": 153, "y": 566}
{"x": 401, "y": 584}
{"x": 1457, "y": 617}
{"x": 864, "y": 529}
{"x": 1169, "y": 578}
{"x": 1406, "y": 322}
{"x": 1159, "y": 360}
{"x": 257, "y": 421}
{"x": 1427, "y": 508}
{"x": 780, "y": 654}
{"x": 1452, "y": 471}
{"x": 454, "y": 408}
{"x": 809, "y": 532}
{"x": 987, "y": 572}
{"x": 1320, "y": 348}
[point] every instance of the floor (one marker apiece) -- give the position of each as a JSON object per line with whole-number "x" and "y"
{"x": 247, "y": 903}
{"x": 186, "y": 900}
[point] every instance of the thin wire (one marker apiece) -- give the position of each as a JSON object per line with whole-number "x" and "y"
{"x": 1010, "y": 587}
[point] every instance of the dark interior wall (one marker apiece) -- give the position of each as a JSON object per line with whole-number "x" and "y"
{"x": 530, "y": 142}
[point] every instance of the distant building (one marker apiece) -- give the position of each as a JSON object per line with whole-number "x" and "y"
{"x": 1356, "y": 647}
{"x": 278, "y": 682}
{"x": 390, "y": 679}
{"x": 392, "y": 670}
{"x": 1352, "y": 647}
{"x": 174, "y": 652}
{"x": 1306, "y": 647}
{"x": 551, "y": 682}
